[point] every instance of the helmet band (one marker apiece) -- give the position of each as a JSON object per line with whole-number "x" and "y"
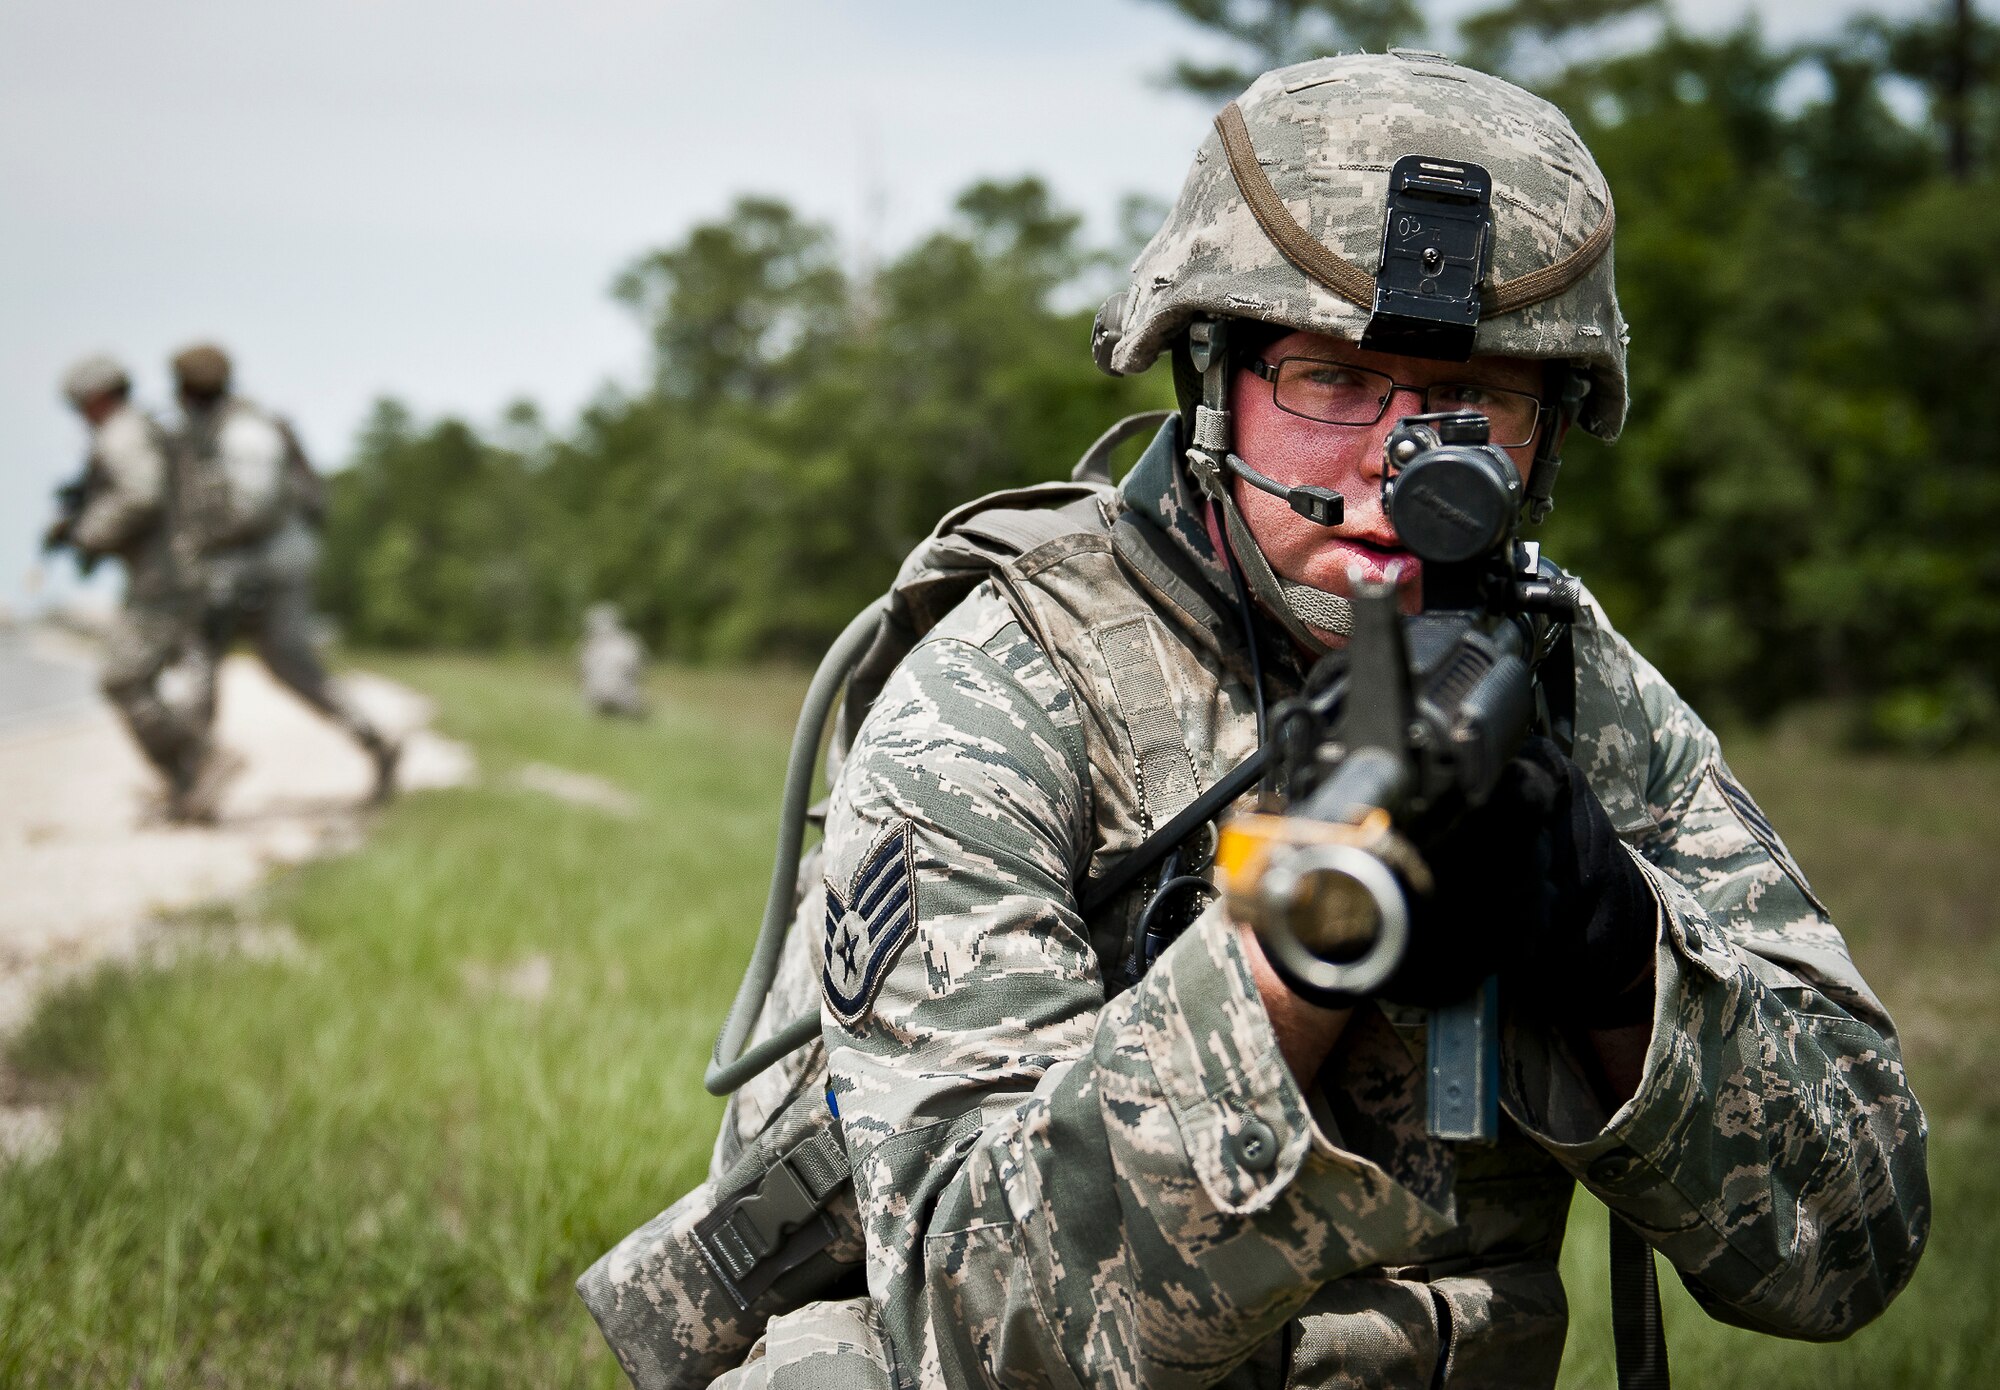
{"x": 1327, "y": 267}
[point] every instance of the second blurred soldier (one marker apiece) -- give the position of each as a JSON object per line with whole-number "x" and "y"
{"x": 247, "y": 521}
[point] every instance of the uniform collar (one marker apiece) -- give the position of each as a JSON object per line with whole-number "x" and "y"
{"x": 1159, "y": 489}
{"x": 1190, "y": 573}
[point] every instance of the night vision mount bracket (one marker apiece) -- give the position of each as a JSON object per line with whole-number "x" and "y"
{"x": 1433, "y": 279}
{"x": 1437, "y": 244}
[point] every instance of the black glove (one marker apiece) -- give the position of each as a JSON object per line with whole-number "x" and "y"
{"x": 1535, "y": 886}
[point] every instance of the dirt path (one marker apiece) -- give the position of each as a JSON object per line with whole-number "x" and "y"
{"x": 84, "y": 874}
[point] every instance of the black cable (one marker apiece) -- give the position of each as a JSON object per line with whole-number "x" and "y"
{"x": 1176, "y": 884}
{"x": 1148, "y": 952}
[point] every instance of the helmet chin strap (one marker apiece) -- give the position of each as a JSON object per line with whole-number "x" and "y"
{"x": 1325, "y": 611}
{"x": 1298, "y": 607}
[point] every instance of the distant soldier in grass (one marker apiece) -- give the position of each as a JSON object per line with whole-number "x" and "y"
{"x": 247, "y": 519}
{"x": 121, "y": 506}
{"x": 612, "y": 663}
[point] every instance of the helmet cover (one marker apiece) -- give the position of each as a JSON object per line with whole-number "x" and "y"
{"x": 202, "y": 369}
{"x": 94, "y": 376}
{"x": 1325, "y": 134}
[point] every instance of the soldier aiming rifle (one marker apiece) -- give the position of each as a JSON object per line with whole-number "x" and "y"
{"x": 1058, "y": 1113}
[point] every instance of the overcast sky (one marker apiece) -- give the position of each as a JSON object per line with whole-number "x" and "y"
{"x": 427, "y": 198}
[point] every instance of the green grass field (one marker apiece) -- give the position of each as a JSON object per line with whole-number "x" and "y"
{"x": 380, "y": 1163}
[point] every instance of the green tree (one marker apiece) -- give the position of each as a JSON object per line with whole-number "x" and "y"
{"x": 1802, "y": 503}
{"x": 1527, "y": 35}
{"x": 799, "y": 435}
{"x": 1795, "y": 511}
{"x": 1801, "y": 507}
{"x": 1954, "y": 56}
{"x": 434, "y": 539}
{"x": 737, "y": 309}
{"x": 1272, "y": 33}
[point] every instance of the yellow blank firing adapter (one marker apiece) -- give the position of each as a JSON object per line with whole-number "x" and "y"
{"x": 1326, "y": 898}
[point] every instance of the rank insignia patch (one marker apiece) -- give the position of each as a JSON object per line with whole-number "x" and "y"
{"x": 867, "y": 925}
{"x": 1754, "y": 821}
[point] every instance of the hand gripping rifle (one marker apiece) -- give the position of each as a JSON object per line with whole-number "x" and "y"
{"x": 1429, "y": 712}
{"x": 72, "y": 498}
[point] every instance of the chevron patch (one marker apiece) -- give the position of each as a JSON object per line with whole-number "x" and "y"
{"x": 1754, "y": 821}
{"x": 867, "y": 925}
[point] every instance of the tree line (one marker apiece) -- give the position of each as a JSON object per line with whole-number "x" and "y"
{"x": 1804, "y": 505}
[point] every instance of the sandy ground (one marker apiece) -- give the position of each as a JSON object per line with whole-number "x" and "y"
{"x": 82, "y": 870}
{"x": 86, "y": 873}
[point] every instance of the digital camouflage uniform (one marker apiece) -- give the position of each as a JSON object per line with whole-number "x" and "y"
{"x": 128, "y": 515}
{"x": 1068, "y": 1174}
{"x": 1062, "y": 1186}
{"x": 248, "y": 503}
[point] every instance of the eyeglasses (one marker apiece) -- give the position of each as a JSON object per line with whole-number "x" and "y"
{"x": 1335, "y": 393}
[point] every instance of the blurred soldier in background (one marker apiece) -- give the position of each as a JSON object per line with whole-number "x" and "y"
{"x": 247, "y": 517}
{"x": 613, "y": 664}
{"x": 122, "y": 505}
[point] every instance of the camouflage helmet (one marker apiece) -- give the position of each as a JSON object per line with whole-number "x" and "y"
{"x": 202, "y": 369}
{"x": 1323, "y": 136}
{"x": 94, "y": 376}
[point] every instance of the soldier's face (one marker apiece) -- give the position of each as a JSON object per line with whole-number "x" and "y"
{"x": 1347, "y": 458}
{"x": 100, "y": 407}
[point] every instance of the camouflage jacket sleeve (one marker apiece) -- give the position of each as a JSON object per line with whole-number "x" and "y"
{"x": 1773, "y": 1151}
{"x": 1057, "y": 1190}
{"x": 130, "y": 481}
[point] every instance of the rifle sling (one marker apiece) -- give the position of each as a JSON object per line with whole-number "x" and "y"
{"x": 1636, "y": 1329}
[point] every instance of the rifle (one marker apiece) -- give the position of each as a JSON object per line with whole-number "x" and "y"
{"x": 1416, "y": 731}
{"x": 72, "y": 498}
